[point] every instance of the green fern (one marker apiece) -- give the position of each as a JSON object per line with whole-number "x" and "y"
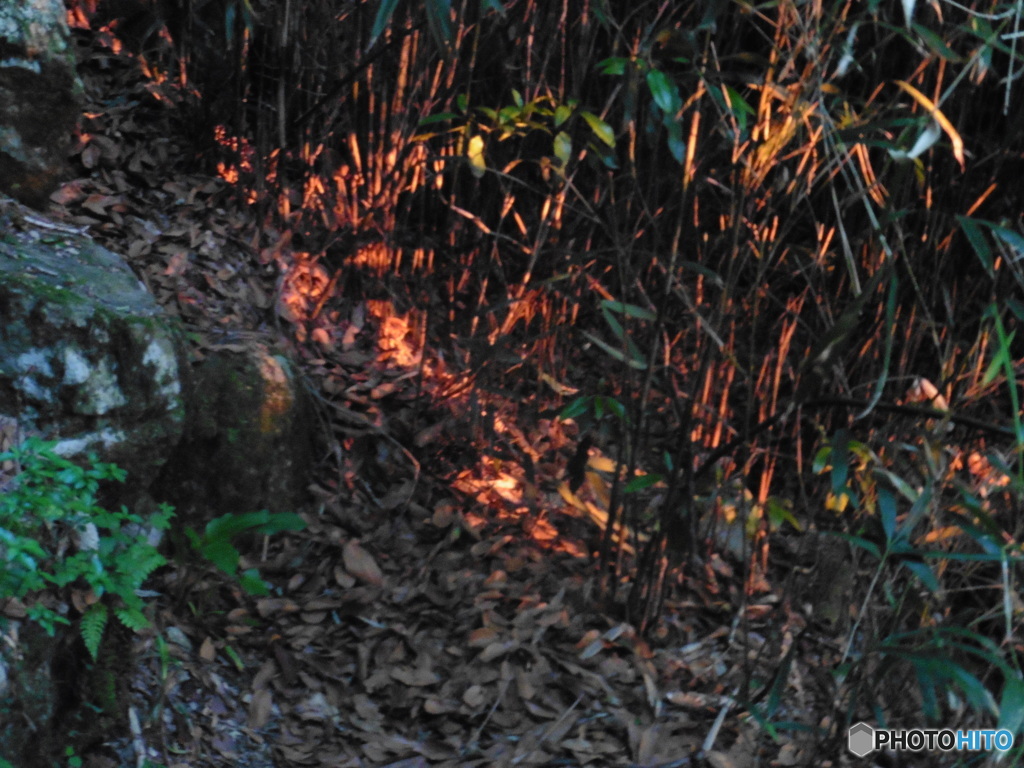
{"x": 132, "y": 618}
{"x": 142, "y": 561}
{"x": 47, "y": 501}
{"x": 92, "y": 624}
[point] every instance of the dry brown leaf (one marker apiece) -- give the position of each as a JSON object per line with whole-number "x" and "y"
{"x": 260, "y": 708}
{"x": 497, "y": 650}
{"x": 416, "y": 678}
{"x": 482, "y": 637}
{"x": 474, "y": 696}
{"x": 361, "y": 564}
{"x": 207, "y": 651}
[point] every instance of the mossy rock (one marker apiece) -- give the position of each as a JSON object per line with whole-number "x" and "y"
{"x": 248, "y": 440}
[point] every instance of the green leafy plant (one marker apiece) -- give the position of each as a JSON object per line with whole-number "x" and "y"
{"x": 923, "y": 632}
{"x": 542, "y": 114}
{"x": 55, "y": 538}
{"x": 216, "y": 542}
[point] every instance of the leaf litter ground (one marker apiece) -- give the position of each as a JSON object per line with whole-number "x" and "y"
{"x": 435, "y": 614}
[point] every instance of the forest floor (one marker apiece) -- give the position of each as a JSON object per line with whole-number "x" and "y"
{"x": 442, "y": 607}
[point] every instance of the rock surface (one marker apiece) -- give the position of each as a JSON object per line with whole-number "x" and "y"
{"x": 87, "y": 357}
{"x": 28, "y": 696}
{"x": 40, "y": 97}
{"x": 247, "y": 446}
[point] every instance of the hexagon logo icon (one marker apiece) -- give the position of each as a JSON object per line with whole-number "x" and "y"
{"x": 861, "y": 739}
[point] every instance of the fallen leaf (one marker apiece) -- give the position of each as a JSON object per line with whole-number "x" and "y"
{"x": 361, "y": 564}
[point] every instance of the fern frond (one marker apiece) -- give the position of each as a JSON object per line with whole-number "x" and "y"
{"x": 149, "y": 560}
{"x": 92, "y": 625}
{"x": 132, "y": 618}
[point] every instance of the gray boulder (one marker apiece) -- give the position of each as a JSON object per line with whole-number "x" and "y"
{"x": 87, "y": 357}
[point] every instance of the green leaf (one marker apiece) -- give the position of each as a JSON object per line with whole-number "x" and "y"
{"x": 923, "y": 573}
{"x": 576, "y": 408}
{"x": 383, "y": 18}
{"x": 439, "y": 20}
{"x": 232, "y": 524}
{"x": 605, "y": 154}
{"x": 642, "y": 481}
{"x": 222, "y": 554}
{"x": 235, "y": 658}
{"x": 133, "y": 619}
{"x": 676, "y": 145}
{"x": 860, "y": 541}
{"x": 562, "y": 113}
{"x": 283, "y": 521}
{"x": 601, "y": 129}
{"x": 616, "y": 65}
{"x": 935, "y": 42}
{"x": 779, "y": 513}
{"x": 739, "y": 106}
{"x": 639, "y": 365}
{"x": 563, "y": 147}
{"x": 1011, "y": 238}
{"x": 1011, "y": 706}
{"x": 91, "y": 625}
{"x": 840, "y": 461}
{"x": 252, "y": 583}
{"x": 629, "y": 310}
{"x": 614, "y": 324}
{"x": 664, "y": 91}
{"x": 822, "y": 459}
{"x": 887, "y": 509}
{"x": 603, "y": 404}
{"x": 440, "y": 117}
{"x": 974, "y": 235}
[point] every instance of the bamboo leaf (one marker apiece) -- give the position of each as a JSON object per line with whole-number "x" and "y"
{"x": 439, "y": 20}
{"x": 639, "y": 365}
{"x": 887, "y": 508}
{"x": 676, "y": 145}
{"x": 576, "y": 408}
{"x": 563, "y": 147}
{"x": 664, "y": 91}
{"x": 629, "y": 310}
{"x": 613, "y": 66}
{"x": 974, "y": 235}
{"x": 383, "y": 18}
{"x": 614, "y": 324}
{"x": 939, "y": 117}
{"x": 936, "y": 43}
{"x": 601, "y": 129}
{"x": 1011, "y": 706}
{"x": 641, "y": 482}
{"x": 1011, "y": 238}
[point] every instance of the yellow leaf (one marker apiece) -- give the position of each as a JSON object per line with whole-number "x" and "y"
{"x": 476, "y": 156}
